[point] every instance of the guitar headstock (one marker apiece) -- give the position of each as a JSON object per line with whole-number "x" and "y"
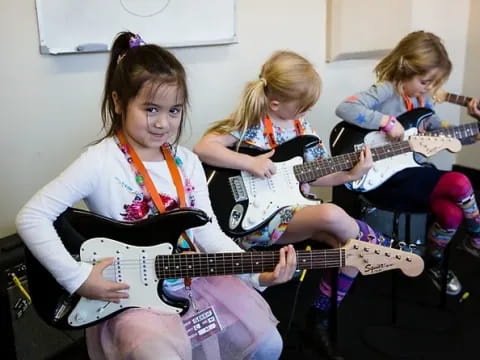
{"x": 372, "y": 259}
{"x": 440, "y": 96}
{"x": 430, "y": 145}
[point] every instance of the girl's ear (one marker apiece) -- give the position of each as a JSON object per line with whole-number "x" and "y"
{"x": 273, "y": 105}
{"x": 116, "y": 103}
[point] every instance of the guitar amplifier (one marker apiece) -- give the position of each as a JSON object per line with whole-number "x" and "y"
{"x": 24, "y": 334}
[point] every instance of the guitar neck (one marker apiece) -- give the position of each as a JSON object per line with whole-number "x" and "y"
{"x": 457, "y": 99}
{"x": 459, "y": 132}
{"x": 214, "y": 264}
{"x": 312, "y": 170}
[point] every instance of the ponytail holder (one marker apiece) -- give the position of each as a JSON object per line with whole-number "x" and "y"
{"x": 263, "y": 81}
{"x": 136, "y": 41}
{"x": 389, "y": 126}
{"x": 133, "y": 42}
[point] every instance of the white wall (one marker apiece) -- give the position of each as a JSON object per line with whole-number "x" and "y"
{"x": 449, "y": 20}
{"x": 49, "y": 106}
{"x": 469, "y": 155}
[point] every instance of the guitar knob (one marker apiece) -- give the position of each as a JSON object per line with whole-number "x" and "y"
{"x": 80, "y": 316}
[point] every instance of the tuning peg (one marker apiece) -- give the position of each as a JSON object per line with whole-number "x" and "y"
{"x": 412, "y": 247}
{"x": 402, "y": 245}
{"x": 384, "y": 241}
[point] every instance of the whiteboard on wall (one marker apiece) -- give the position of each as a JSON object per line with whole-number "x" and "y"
{"x": 75, "y": 26}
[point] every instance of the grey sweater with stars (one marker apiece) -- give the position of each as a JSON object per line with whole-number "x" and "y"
{"x": 366, "y": 108}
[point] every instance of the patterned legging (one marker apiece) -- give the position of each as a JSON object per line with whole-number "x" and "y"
{"x": 452, "y": 201}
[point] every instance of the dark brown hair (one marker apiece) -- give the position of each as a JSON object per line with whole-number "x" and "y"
{"x": 132, "y": 68}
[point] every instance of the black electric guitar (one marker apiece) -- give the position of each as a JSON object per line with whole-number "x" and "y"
{"x": 244, "y": 203}
{"x": 346, "y": 137}
{"x": 145, "y": 255}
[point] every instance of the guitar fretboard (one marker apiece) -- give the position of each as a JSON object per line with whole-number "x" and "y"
{"x": 214, "y": 264}
{"x": 458, "y": 132}
{"x": 458, "y": 99}
{"x": 312, "y": 170}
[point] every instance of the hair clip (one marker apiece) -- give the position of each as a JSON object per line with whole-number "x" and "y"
{"x": 401, "y": 63}
{"x": 133, "y": 42}
{"x": 136, "y": 41}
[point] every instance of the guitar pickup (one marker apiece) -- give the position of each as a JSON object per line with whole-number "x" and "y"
{"x": 238, "y": 189}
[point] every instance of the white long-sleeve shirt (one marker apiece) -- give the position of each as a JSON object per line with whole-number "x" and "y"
{"x": 104, "y": 179}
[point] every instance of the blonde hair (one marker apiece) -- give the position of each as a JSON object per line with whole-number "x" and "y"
{"x": 416, "y": 54}
{"x": 286, "y": 76}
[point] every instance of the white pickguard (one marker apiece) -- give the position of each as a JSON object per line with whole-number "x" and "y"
{"x": 382, "y": 170}
{"x": 133, "y": 265}
{"x": 266, "y": 196}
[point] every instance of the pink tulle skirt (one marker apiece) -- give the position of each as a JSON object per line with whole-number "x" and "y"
{"x": 143, "y": 334}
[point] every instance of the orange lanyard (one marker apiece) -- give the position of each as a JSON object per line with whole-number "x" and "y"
{"x": 409, "y": 104}
{"x": 269, "y": 133}
{"x": 150, "y": 187}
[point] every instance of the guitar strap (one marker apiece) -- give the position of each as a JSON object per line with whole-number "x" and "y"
{"x": 409, "y": 104}
{"x": 269, "y": 133}
{"x": 145, "y": 181}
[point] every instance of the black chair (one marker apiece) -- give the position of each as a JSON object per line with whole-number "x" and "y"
{"x": 357, "y": 205}
{"x": 405, "y": 241}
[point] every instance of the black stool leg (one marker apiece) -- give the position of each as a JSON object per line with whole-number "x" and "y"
{"x": 407, "y": 228}
{"x": 396, "y": 236}
{"x": 444, "y": 272}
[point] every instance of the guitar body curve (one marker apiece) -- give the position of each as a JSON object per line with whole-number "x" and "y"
{"x": 346, "y": 138}
{"x": 243, "y": 203}
{"x": 157, "y": 234}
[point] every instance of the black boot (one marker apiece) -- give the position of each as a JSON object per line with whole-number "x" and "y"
{"x": 317, "y": 334}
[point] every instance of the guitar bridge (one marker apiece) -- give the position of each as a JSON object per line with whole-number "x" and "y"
{"x": 238, "y": 188}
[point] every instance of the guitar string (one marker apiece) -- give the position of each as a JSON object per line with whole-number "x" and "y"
{"x": 198, "y": 266}
{"x": 205, "y": 261}
{"x": 207, "y": 264}
{"x": 336, "y": 163}
{"x": 223, "y": 270}
{"x": 228, "y": 257}
{"x": 178, "y": 270}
